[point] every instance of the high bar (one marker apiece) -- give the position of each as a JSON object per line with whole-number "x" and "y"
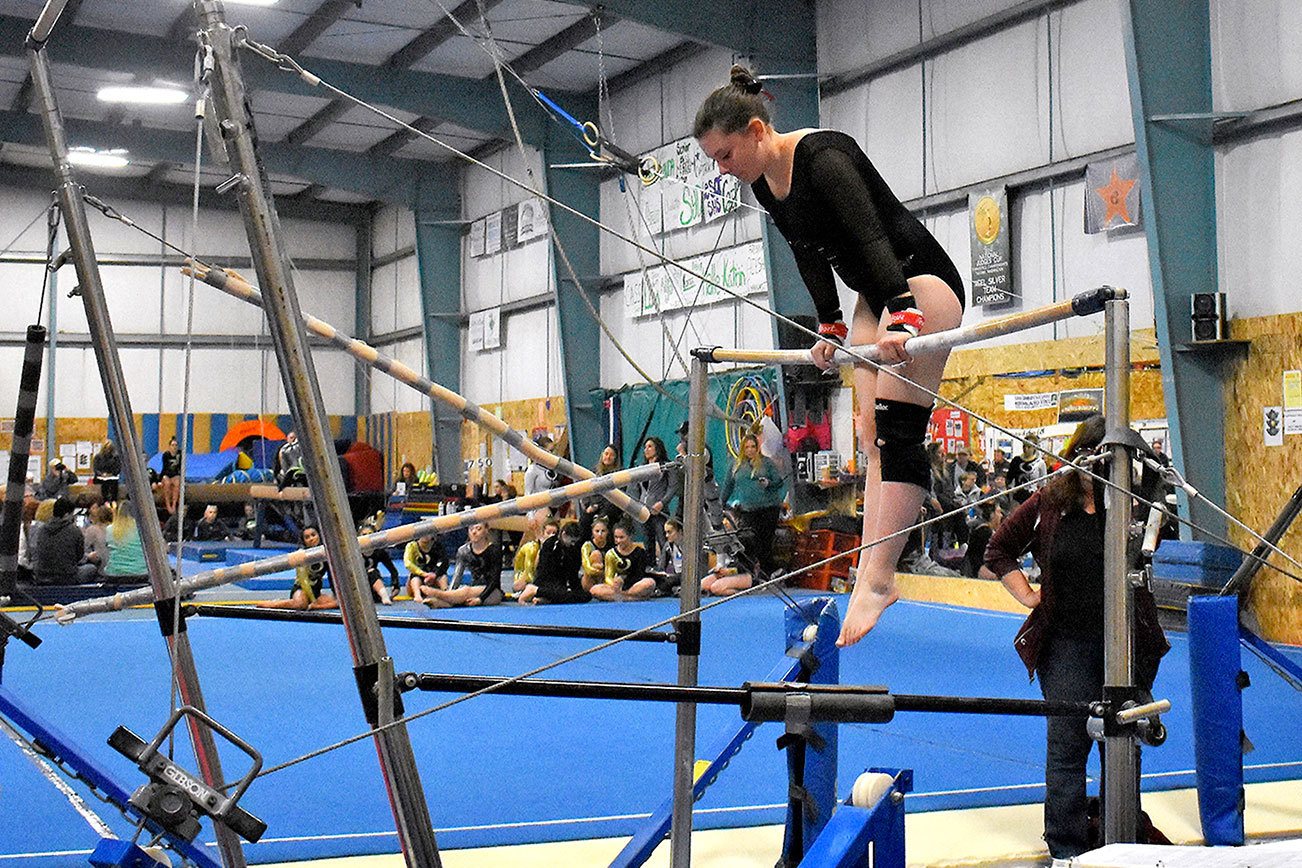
{"x": 1083, "y": 304}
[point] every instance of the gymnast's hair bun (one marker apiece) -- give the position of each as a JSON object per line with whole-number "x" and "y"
{"x": 742, "y": 78}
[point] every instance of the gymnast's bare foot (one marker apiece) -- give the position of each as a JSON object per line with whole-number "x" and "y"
{"x": 866, "y": 606}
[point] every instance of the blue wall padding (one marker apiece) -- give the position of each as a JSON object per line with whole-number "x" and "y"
{"x": 1214, "y": 668}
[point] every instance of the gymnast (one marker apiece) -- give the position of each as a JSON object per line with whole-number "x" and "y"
{"x": 309, "y": 582}
{"x": 626, "y": 568}
{"x": 482, "y": 559}
{"x": 557, "y": 578}
{"x": 427, "y": 565}
{"x": 838, "y": 215}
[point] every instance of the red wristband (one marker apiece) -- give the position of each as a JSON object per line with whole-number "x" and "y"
{"x": 836, "y": 332}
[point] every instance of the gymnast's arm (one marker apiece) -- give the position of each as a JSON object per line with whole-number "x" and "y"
{"x": 840, "y": 185}
{"x": 1004, "y": 552}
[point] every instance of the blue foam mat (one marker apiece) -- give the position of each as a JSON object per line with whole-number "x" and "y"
{"x": 501, "y": 770}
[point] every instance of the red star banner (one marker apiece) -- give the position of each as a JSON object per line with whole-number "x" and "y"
{"x": 1112, "y": 194}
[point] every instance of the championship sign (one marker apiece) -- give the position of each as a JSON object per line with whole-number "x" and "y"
{"x": 992, "y": 271}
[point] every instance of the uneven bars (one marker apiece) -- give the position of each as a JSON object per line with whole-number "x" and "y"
{"x": 1083, "y": 304}
{"x": 369, "y": 542}
{"x": 236, "y": 286}
{"x": 45, "y": 22}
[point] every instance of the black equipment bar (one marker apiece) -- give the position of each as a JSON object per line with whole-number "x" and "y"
{"x": 759, "y": 701}
{"x": 444, "y": 624}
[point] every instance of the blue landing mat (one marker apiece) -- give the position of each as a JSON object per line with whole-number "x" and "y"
{"x": 500, "y": 770}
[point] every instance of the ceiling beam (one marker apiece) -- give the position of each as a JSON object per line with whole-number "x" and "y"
{"x": 316, "y": 24}
{"x": 395, "y": 142}
{"x": 391, "y": 180}
{"x": 656, "y": 65}
{"x": 476, "y": 105}
{"x": 568, "y": 39}
{"x": 23, "y": 99}
{"x": 776, "y": 30}
{"x": 328, "y": 114}
{"x": 116, "y": 189}
{"x": 438, "y": 33}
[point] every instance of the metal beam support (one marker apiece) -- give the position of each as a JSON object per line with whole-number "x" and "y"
{"x": 476, "y": 105}
{"x": 135, "y": 479}
{"x": 362, "y": 311}
{"x": 1168, "y": 60}
{"x": 438, "y": 262}
{"x": 390, "y": 180}
{"x": 566, "y": 40}
{"x": 780, "y": 30}
{"x": 579, "y": 334}
{"x": 372, "y": 665}
{"x": 316, "y": 24}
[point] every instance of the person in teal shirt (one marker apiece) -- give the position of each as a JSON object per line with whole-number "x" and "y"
{"x": 754, "y": 491}
{"x": 126, "y": 558}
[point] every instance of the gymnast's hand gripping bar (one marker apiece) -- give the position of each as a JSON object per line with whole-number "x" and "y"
{"x": 1083, "y": 304}
{"x": 776, "y": 701}
{"x": 236, "y": 286}
{"x": 369, "y": 542}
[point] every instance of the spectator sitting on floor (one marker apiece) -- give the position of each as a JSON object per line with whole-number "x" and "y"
{"x": 427, "y": 565}
{"x": 557, "y": 578}
{"x": 992, "y": 515}
{"x": 309, "y": 582}
{"x": 96, "y": 541}
{"x": 186, "y": 521}
{"x": 668, "y": 571}
{"x": 248, "y": 528}
{"x": 56, "y": 482}
{"x": 626, "y": 568}
{"x": 25, "y": 535}
{"x": 594, "y": 553}
{"x": 59, "y": 548}
{"x": 126, "y": 561}
{"x": 482, "y": 559}
{"x": 375, "y": 559}
{"x": 725, "y": 579}
{"x": 209, "y": 528}
{"x": 526, "y": 557}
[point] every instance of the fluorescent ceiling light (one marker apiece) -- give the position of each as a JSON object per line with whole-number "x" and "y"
{"x": 111, "y": 159}
{"x": 253, "y": 2}
{"x": 142, "y": 95}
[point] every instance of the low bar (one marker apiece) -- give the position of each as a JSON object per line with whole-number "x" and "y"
{"x": 236, "y": 286}
{"x": 759, "y": 701}
{"x": 369, "y": 542}
{"x": 447, "y": 625}
{"x": 1083, "y": 304}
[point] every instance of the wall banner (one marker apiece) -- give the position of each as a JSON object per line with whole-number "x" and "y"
{"x": 992, "y": 266}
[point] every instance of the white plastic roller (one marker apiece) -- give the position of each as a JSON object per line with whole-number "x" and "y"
{"x": 869, "y": 788}
{"x": 810, "y": 633}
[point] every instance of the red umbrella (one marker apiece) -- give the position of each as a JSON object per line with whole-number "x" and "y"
{"x": 250, "y": 428}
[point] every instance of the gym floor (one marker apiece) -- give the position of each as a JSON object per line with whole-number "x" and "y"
{"x": 527, "y": 774}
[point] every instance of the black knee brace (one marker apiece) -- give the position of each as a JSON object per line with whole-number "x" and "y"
{"x": 901, "y": 437}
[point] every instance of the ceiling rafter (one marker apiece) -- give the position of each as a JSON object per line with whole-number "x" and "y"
{"x": 411, "y": 53}
{"x": 316, "y": 24}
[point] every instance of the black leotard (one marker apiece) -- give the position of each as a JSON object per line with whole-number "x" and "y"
{"x": 841, "y": 215}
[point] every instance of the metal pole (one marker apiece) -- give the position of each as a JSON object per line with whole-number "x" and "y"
{"x": 689, "y": 629}
{"x": 1120, "y": 752}
{"x": 133, "y": 461}
{"x": 348, "y": 574}
{"x": 24, "y": 415}
{"x": 51, "y": 388}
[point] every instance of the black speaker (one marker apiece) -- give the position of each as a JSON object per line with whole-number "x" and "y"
{"x": 1207, "y": 315}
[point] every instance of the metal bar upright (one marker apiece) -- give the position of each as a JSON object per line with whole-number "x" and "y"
{"x": 689, "y": 629}
{"x": 136, "y": 476}
{"x": 284, "y": 319}
{"x": 1120, "y": 752}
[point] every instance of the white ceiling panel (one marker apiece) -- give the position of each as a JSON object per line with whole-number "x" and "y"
{"x": 370, "y": 42}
